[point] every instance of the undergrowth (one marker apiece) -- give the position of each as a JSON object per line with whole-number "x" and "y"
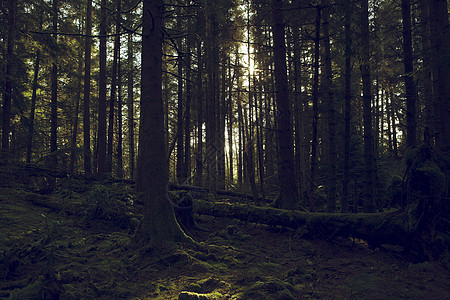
{"x": 74, "y": 244}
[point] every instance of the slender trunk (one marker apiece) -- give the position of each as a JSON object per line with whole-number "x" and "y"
{"x": 315, "y": 109}
{"x": 33, "y": 106}
{"x": 101, "y": 135}
{"x": 411, "y": 135}
{"x": 211, "y": 143}
{"x": 54, "y": 96}
{"x": 112, "y": 101}
{"x": 394, "y": 125}
{"x": 73, "y": 152}
{"x": 240, "y": 122}
{"x": 441, "y": 64}
{"x": 429, "y": 120}
{"x": 130, "y": 104}
{"x": 248, "y": 153}
{"x": 348, "y": 108}
{"x": 221, "y": 128}
{"x": 260, "y": 138}
{"x": 230, "y": 128}
{"x": 369, "y": 201}
{"x": 298, "y": 109}
{"x": 331, "y": 197}
{"x": 199, "y": 154}
{"x": 288, "y": 185}
{"x": 179, "y": 137}
{"x": 187, "y": 113}
{"x": 119, "y": 118}
{"x": 7, "y": 94}
{"x": 87, "y": 91}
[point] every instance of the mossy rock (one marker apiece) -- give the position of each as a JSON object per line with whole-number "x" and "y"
{"x": 195, "y": 296}
{"x": 46, "y": 289}
{"x": 273, "y": 288}
{"x": 207, "y": 285}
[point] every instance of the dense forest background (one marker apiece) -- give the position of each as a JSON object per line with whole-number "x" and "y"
{"x": 315, "y": 100}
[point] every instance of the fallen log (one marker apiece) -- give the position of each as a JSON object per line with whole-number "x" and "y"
{"x": 199, "y": 192}
{"x": 393, "y": 227}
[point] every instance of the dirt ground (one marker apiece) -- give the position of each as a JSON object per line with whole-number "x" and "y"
{"x": 81, "y": 251}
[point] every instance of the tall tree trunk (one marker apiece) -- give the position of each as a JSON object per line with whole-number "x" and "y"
{"x": 187, "y": 113}
{"x": 54, "y": 94}
{"x": 298, "y": 111}
{"x": 33, "y": 106}
{"x": 394, "y": 125}
{"x": 7, "y": 94}
{"x": 348, "y": 108}
{"x": 87, "y": 92}
{"x": 331, "y": 197}
{"x": 211, "y": 143}
{"x": 259, "y": 136}
{"x": 73, "y": 146}
{"x": 427, "y": 85}
{"x": 159, "y": 222}
{"x": 441, "y": 64}
{"x": 119, "y": 117}
{"x": 101, "y": 135}
{"x": 230, "y": 127}
{"x": 179, "y": 131}
{"x": 221, "y": 112}
{"x": 288, "y": 185}
{"x": 369, "y": 156}
{"x": 312, "y": 185}
{"x": 130, "y": 105}
{"x": 199, "y": 154}
{"x": 410, "y": 86}
{"x": 112, "y": 101}
{"x": 240, "y": 172}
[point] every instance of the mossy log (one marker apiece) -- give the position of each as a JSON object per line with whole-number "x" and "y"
{"x": 393, "y": 227}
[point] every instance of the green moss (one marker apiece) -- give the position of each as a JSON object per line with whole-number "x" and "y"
{"x": 196, "y": 296}
{"x": 32, "y": 291}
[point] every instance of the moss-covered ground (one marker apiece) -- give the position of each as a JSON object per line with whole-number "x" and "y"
{"x": 74, "y": 244}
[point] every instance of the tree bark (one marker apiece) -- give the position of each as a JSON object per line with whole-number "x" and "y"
{"x": 7, "y": 94}
{"x": 101, "y": 135}
{"x": 211, "y": 63}
{"x": 410, "y": 86}
{"x": 33, "y": 106}
{"x": 427, "y": 85}
{"x": 315, "y": 108}
{"x": 130, "y": 106}
{"x": 369, "y": 157}
{"x": 441, "y": 64}
{"x": 187, "y": 113}
{"x": 288, "y": 185}
{"x": 119, "y": 110}
{"x": 298, "y": 111}
{"x": 221, "y": 112}
{"x": 331, "y": 196}
{"x": 75, "y": 124}
{"x": 180, "y": 131}
{"x": 199, "y": 154}
{"x": 54, "y": 94}
{"x": 87, "y": 92}
{"x": 348, "y": 108}
{"x": 112, "y": 102}
{"x": 159, "y": 222}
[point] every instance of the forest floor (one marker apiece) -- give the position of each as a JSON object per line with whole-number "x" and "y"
{"x": 73, "y": 244}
